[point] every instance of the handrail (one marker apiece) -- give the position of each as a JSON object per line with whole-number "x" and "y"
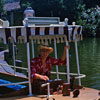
{"x": 61, "y": 73}
{"x": 77, "y": 76}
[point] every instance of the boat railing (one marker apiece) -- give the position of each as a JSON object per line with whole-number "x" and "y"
{"x": 77, "y": 76}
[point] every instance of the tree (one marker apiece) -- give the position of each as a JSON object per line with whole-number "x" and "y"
{"x": 2, "y": 6}
{"x": 69, "y": 9}
{"x": 91, "y": 3}
{"x": 90, "y": 20}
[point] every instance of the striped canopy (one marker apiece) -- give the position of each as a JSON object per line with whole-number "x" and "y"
{"x": 41, "y": 33}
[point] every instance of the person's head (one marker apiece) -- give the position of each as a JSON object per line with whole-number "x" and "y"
{"x": 44, "y": 51}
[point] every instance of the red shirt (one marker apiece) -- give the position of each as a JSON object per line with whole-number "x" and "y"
{"x": 37, "y": 67}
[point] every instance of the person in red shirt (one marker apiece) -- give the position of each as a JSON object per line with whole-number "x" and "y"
{"x": 41, "y": 65}
{"x": 40, "y": 70}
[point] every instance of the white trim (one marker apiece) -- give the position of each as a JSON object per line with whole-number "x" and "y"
{"x": 14, "y": 59}
{"x": 32, "y": 31}
{"x": 55, "y": 48}
{"x": 23, "y": 33}
{"x": 77, "y": 60}
{"x": 67, "y": 65}
{"x": 13, "y": 34}
{"x": 33, "y": 49}
{"x": 42, "y": 31}
{"x": 61, "y": 30}
{"x": 51, "y": 31}
{"x": 29, "y": 69}
{"x": 77, "y": 76}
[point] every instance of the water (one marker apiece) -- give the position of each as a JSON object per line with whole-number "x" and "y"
{"x": 89, "y": 57}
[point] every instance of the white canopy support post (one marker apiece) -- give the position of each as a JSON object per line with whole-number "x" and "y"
{"x": 29, "y": 69}
{"x": 55, "y": 47}
{"x": 33, "y": 49}
{"x": 67, "y": 65}
{"x": 14, "y": 59}
{"x": 77, "y": 60}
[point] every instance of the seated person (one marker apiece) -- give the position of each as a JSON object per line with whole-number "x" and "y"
{"x": 40, "y": 71}
{"x": 41, "y": 66}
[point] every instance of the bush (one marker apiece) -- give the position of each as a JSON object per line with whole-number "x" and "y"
{"x": 90, "y": 20}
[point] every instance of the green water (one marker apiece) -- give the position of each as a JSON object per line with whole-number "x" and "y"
{"x": 89, "y": 56}
{"x": 89, "y": 60}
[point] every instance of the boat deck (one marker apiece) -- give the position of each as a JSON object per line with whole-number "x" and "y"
{"x": 85, "y": 94}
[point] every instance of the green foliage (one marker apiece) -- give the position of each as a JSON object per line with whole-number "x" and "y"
{"x": 70, "y": 9}
{"x": 2, "y": 5}
{"x": 25, "y": 5}
{"x": 60, "y": 8}
{"x": 90, "y": 20}
{"x": 91, "y": 3}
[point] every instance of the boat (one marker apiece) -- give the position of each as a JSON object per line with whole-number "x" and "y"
{"x": 42, "y": 30}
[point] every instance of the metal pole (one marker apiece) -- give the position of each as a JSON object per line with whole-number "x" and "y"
{"x": 14, "y": 59}
{"x": 33, "y": 49}
{"x": 77, "y": 60}
{"x": 67, "y": 60}
{"x": 29, "y": 69}
{"x": 48, "y": 85}
{"x": 55, "y": 47}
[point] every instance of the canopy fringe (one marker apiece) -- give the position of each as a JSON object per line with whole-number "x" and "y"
{"x": 21, "y": 39}
{"x": 45, "y": 39}
{"x": 48, "y": 39}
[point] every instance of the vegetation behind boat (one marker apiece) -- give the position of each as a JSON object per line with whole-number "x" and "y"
{"x": 81, "y": 11}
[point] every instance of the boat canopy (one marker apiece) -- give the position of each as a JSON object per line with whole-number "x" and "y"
{"x": 41, "y": 33}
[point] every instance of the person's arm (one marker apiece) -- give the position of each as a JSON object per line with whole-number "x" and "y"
{"x": 62, "y": 60}
{"x": 41, "y": 77}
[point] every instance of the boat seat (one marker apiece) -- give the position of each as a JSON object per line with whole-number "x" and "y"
{"x": 31, "y": 21}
